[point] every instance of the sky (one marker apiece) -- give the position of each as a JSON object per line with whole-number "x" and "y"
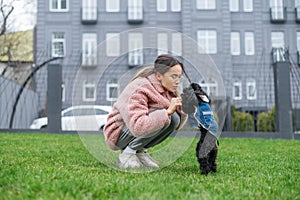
{"x": 23, "y": 16}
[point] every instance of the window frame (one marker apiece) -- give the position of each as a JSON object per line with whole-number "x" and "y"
{"x": 249, "y": 43}
{"x": 87, "y": 85}
{"x": 276, "y": 39}
{"x": 111, "y": 84}
{"x": 237, "y": 5}
{"x": 210, "y": 87}
{"x": 206, "y": 5}
{"x": 248, "y": 3}
{"x": 176, "y": 43}
{"x": 59, "y": 4}
{"x": 251, "y": 83}
{"x": 237, "y": 84}
{"x": 209, "y": 37}
{"x": 162, "y": 43}
{"x": 235, "y": 43}
{"x": 298, "y": 40}
{"x": 135, "y": 48}
{"x": 55, "y": 40}
{"x": 110, "y": 7}
{"x": 113, "y": 44}
{"x": 89, "y": 45}
{"x": 175, "y": 5}
{"x": 161, "y": 5}
{"x": 135, "y": 9}
{"x": 89, "y": 10}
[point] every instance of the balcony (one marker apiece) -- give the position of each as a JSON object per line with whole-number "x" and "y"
{"x": 89, "y": 15}
{"x": 280, "y": 54}
{"x": 297, "y": 13}
{"x": 89, "y": 61}
{"x": 135, "y": 15}
{"x": 278, "y": 14}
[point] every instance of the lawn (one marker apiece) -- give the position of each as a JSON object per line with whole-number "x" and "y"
{"x": 59, "y": 166}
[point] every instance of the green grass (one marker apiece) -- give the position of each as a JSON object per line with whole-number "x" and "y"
{"x": 52, "y": 166}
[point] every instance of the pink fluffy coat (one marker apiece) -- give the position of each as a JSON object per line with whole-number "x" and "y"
{"x": 142, "y": 107}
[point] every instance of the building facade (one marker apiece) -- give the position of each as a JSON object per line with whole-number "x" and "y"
{"x": 238, "y": 35}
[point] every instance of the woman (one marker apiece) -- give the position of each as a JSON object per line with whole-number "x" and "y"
{"x": 146, "y": 113}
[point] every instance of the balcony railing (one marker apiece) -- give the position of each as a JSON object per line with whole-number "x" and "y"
{"x": 89, "y": 15}
{"x": 297, "y": 13}
{"x": 89, "y": 61}
{"x": 280, "y": 54}
{"x": 278, "y": 14}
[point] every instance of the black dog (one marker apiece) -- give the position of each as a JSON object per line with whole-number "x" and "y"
{"x": 192, "y": 98}
{"x": 208, "y": 163}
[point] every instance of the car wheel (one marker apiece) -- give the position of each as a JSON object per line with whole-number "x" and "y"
{"x": 101, "y": 128}
{"x": 44, "y": 127}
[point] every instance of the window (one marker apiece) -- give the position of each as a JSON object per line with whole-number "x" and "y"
{"x": 89, "y": 91}
{"x": 297, "y": 10}
{"x": 298, "y": 40}
{"x": 112, "y": 90}
{"x": 234, "y": 5}
{"x": 112, "y": 44}
{"x": 235, "y": 43}
{"x": 112, "y": 5}
{"x": 237, "y": 90}
{"x": 162, "y": 43}
{"x": 277, "y": 39}
{"x": 89, "y": 49}
{"x": 206, "y": 4}
{"x": 249, "y": 43}
{"x": 207, "y": 41}
{"x": 278, "y": 50}
{"x": 135, "y": 48}
{"x": 176, "y": 44}
{"x": 89, "y": 10}
{"x": 59, "y": 5}
{"x": 248, "y": 5}
{"x": 209, "y": 86}
{"x": 161, "y": 5}
{"x": 251, "y": 89}
{"x": 175, "y": 5}
{"x": 277, "y": 9}
{"x": 58, "y": 44}
{"x": 276, "y": 3}
{"x": 135, "y": 9}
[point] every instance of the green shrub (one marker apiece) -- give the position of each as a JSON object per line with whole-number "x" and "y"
{"x": 266, "y": 121}
{"x": 241, "y": 121}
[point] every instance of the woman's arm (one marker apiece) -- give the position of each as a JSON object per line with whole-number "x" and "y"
{"x": 139, "y": 119}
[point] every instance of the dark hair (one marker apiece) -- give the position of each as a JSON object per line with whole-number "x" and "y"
{"x": 164, "y": 62}
{"x": 161, "y": 64}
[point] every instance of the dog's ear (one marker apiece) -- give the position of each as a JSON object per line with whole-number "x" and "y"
{"x": 201, "y": 95}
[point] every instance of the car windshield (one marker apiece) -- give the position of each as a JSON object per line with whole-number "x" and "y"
{"x": 85, "y": 111}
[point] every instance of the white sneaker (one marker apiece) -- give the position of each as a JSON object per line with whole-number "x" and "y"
{"x": 129, "y": 160}
{"x": 147, "y": 160}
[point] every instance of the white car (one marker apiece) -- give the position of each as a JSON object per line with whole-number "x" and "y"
{"x": 80, "y": 118}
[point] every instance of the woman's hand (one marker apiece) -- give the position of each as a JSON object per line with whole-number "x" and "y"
{"x": 173, "y": 105}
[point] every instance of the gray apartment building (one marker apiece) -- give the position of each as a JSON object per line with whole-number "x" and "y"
{"x": 115, "y": 35}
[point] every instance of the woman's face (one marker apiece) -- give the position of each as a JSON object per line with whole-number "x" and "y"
{"x": 171, "y": 79}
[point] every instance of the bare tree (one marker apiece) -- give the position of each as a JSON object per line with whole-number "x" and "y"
{"x": 5, "y": 11}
